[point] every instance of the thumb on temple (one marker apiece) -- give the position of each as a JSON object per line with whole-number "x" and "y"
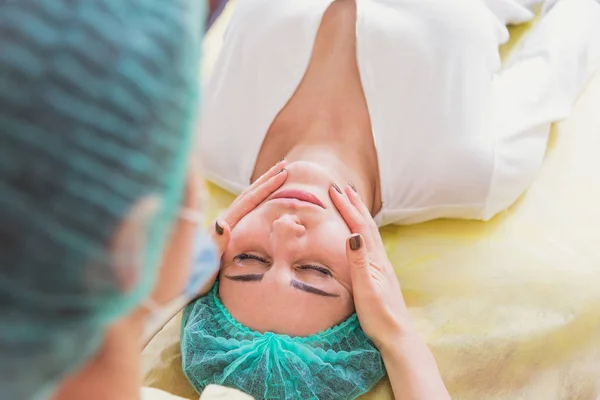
{"x": 358, "y": 258}
{"x": 220, "y": 233}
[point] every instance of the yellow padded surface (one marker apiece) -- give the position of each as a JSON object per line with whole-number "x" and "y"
{"x": 510, "y": 308}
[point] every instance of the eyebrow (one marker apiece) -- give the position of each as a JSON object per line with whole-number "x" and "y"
{"x": 245, "y": 278}
{"x": 294, "y": 283}
{"x": 310, "y": 289}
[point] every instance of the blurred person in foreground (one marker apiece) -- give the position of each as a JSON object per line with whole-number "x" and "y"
{"x": 98, "y": 205}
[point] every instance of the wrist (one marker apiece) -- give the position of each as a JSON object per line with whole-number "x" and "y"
{"x": 412, "y": 368}
{"x": 401, "y": 337}
{"x": 396, "y": 328}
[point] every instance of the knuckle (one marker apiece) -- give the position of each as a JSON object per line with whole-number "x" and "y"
{"x": 363, "y": 262}
{"x": 370, "y": 221}
{"x": 361, "y": 258}
{"x": 362, "y": 226}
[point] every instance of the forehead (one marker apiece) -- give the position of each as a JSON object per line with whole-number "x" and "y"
{"x": 274, "y": 306}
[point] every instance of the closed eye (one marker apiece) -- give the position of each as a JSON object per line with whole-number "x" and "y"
{"x": 321, "y": 270}
{"x": 246, "y": 256}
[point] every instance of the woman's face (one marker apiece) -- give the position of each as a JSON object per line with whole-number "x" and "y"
{"x": 285, "y": 269}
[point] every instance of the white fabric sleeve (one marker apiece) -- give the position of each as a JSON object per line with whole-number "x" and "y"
{"x": 512, "y": 12}
{"x": 539, "y": 86}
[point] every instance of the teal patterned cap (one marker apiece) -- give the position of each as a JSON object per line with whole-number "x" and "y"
{"x": 339, "y": 363}
{"x": 97, "y": 101}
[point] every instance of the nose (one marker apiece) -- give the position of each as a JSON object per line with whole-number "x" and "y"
{"x": 285, "y": 240}
{"x": 288, "y": 226}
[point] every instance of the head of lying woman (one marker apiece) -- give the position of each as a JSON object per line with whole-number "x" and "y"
{"x": 285, "y": 269}
{"x": 281, "y": 322}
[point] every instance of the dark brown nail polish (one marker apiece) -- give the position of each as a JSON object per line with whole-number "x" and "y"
{"x": 280, "y": 171}
{"x": 353, "y": 187}
{"x": 336, "y": 187}
{"x": 218, "y": 229}
{"x": 355, "y": 242}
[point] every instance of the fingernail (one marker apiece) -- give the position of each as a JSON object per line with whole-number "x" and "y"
{"x": 336, "y": 187}
{"x": 353, "y": 187}
{"x": 280, "y": 161}
{"x": 355, "y": 242}
{"x": 280, "y": 171}
{"x": 218, "y": 229}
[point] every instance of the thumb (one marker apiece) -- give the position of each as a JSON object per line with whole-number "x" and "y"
{"x": 358, "y": 258}
{"x": 221, "y": 233}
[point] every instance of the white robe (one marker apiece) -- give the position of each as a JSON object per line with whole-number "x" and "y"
{"x": 456, "y": 135}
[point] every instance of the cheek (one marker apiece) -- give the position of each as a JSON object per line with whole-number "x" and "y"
{"x": 333, "y": 233}
{"x": 246, "y": 233}
{"x": 330, "y": 240}
{"x": 331, "y": 229}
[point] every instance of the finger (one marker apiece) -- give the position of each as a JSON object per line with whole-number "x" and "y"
{"x": 358, "y": 257}
{"x": 357, "y": 202}
{"x": 221, "y": 233}
{"x": 273, "y": 171}
{"x": 252, "y": 199}
{"x": 349, "y": 213}
{"x": 354, "y": 219}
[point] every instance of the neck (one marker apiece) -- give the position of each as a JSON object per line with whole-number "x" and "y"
{"x": 343, "y": 145}
{"x": 114, "y": 372}
{"x": 327, "y": 120}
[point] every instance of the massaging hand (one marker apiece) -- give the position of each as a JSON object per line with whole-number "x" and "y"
{"x": 377, "y": 297}
{"x": 181, "y": 244}
{"x": 247, "y": 201}
{"x": 381, "y": 311}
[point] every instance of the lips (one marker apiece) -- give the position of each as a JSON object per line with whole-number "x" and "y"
{"x": 300, "y": 195}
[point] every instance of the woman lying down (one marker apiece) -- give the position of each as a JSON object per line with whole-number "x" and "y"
{"x": 384, "y": 112}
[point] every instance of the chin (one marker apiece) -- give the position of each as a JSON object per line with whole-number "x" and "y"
{"x": 309, "y": 173}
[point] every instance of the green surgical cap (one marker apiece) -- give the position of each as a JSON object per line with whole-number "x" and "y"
{"x": 97, "y": 99}
{"x": 339, "y": 363}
